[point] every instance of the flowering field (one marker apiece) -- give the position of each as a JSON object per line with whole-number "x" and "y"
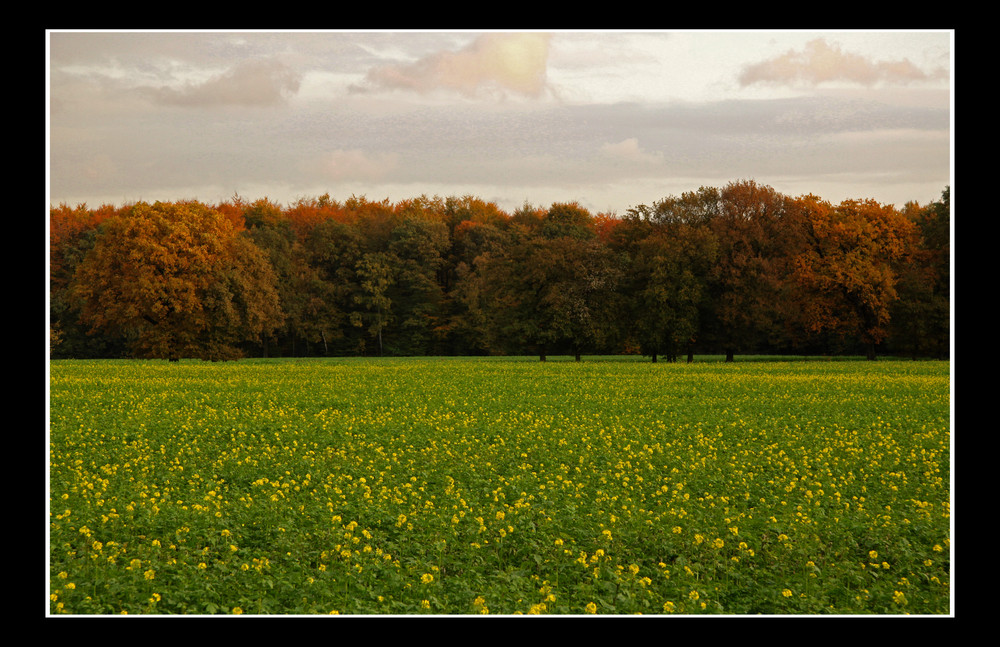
{"x": 500, "y": 486}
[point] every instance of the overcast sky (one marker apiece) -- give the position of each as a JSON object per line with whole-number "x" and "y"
{"x": 610, "y": 119}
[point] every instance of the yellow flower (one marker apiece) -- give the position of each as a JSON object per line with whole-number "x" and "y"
{"x": 873, "y": 554}
{"x": 668, "y": 607}
{"x": 150, "y": 574}
{"x": 237, "y": 611}
{"x": 427, "y": 578}
{"x": 590, "y": 608}
{"x": 693, "y": 595}
{"x": 787, "y": 593}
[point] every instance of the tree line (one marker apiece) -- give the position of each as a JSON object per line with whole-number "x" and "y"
{"x": 739, "y": 269}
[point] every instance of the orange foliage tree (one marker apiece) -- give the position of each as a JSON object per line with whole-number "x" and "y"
{"x": 847, "y": 271}
{"x": 176, "y": 280}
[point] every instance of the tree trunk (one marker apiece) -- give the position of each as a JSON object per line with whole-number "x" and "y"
{"x": 729, "y": 354}
{"x": 541, "y": 353}
{"x": 871, "y": 352}
{"x": 577, "y": 357}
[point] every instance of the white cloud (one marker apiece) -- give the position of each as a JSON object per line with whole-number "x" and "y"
{"x": 252, "y": 83}
{"x": 822, "y": 62}
{"x": 510, "y": 63}
{"x": 628, "y": 150}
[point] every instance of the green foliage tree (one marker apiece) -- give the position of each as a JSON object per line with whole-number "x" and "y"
{"x": 375, "y": 275}
{"x": 669, "y": 282}
{"x": 333, "y": 250}
{"x": 921, "y": 318}
{"x": 416, "y": 250}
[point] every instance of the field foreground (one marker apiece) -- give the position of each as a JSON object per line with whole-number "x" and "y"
{"x": 499, "y": 486}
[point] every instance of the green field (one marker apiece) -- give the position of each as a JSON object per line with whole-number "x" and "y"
{"x": 499, "y": 485}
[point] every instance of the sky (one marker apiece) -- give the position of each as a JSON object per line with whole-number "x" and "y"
{"x": 608, "y": 119}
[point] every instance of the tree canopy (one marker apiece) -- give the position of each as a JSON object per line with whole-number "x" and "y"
{"x": 737, "y": 269}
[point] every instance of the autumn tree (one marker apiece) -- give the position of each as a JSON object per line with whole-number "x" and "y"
{"x": 847, "y": 273}
{"x": 750, "y": 223}
{"x": 469, "y": 208}
{"x": 303, "y": 294}
{"x": 177, "y": 280}
{"x": 72, "y": 234}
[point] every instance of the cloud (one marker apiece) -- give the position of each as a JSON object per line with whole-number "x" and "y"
{"x": 357, "y": 165}
{"x": 513, "y": 63}
{"x": 250, "y": 83}
{"x": 821, "y": 62}
{"x": 628, "y": 150}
